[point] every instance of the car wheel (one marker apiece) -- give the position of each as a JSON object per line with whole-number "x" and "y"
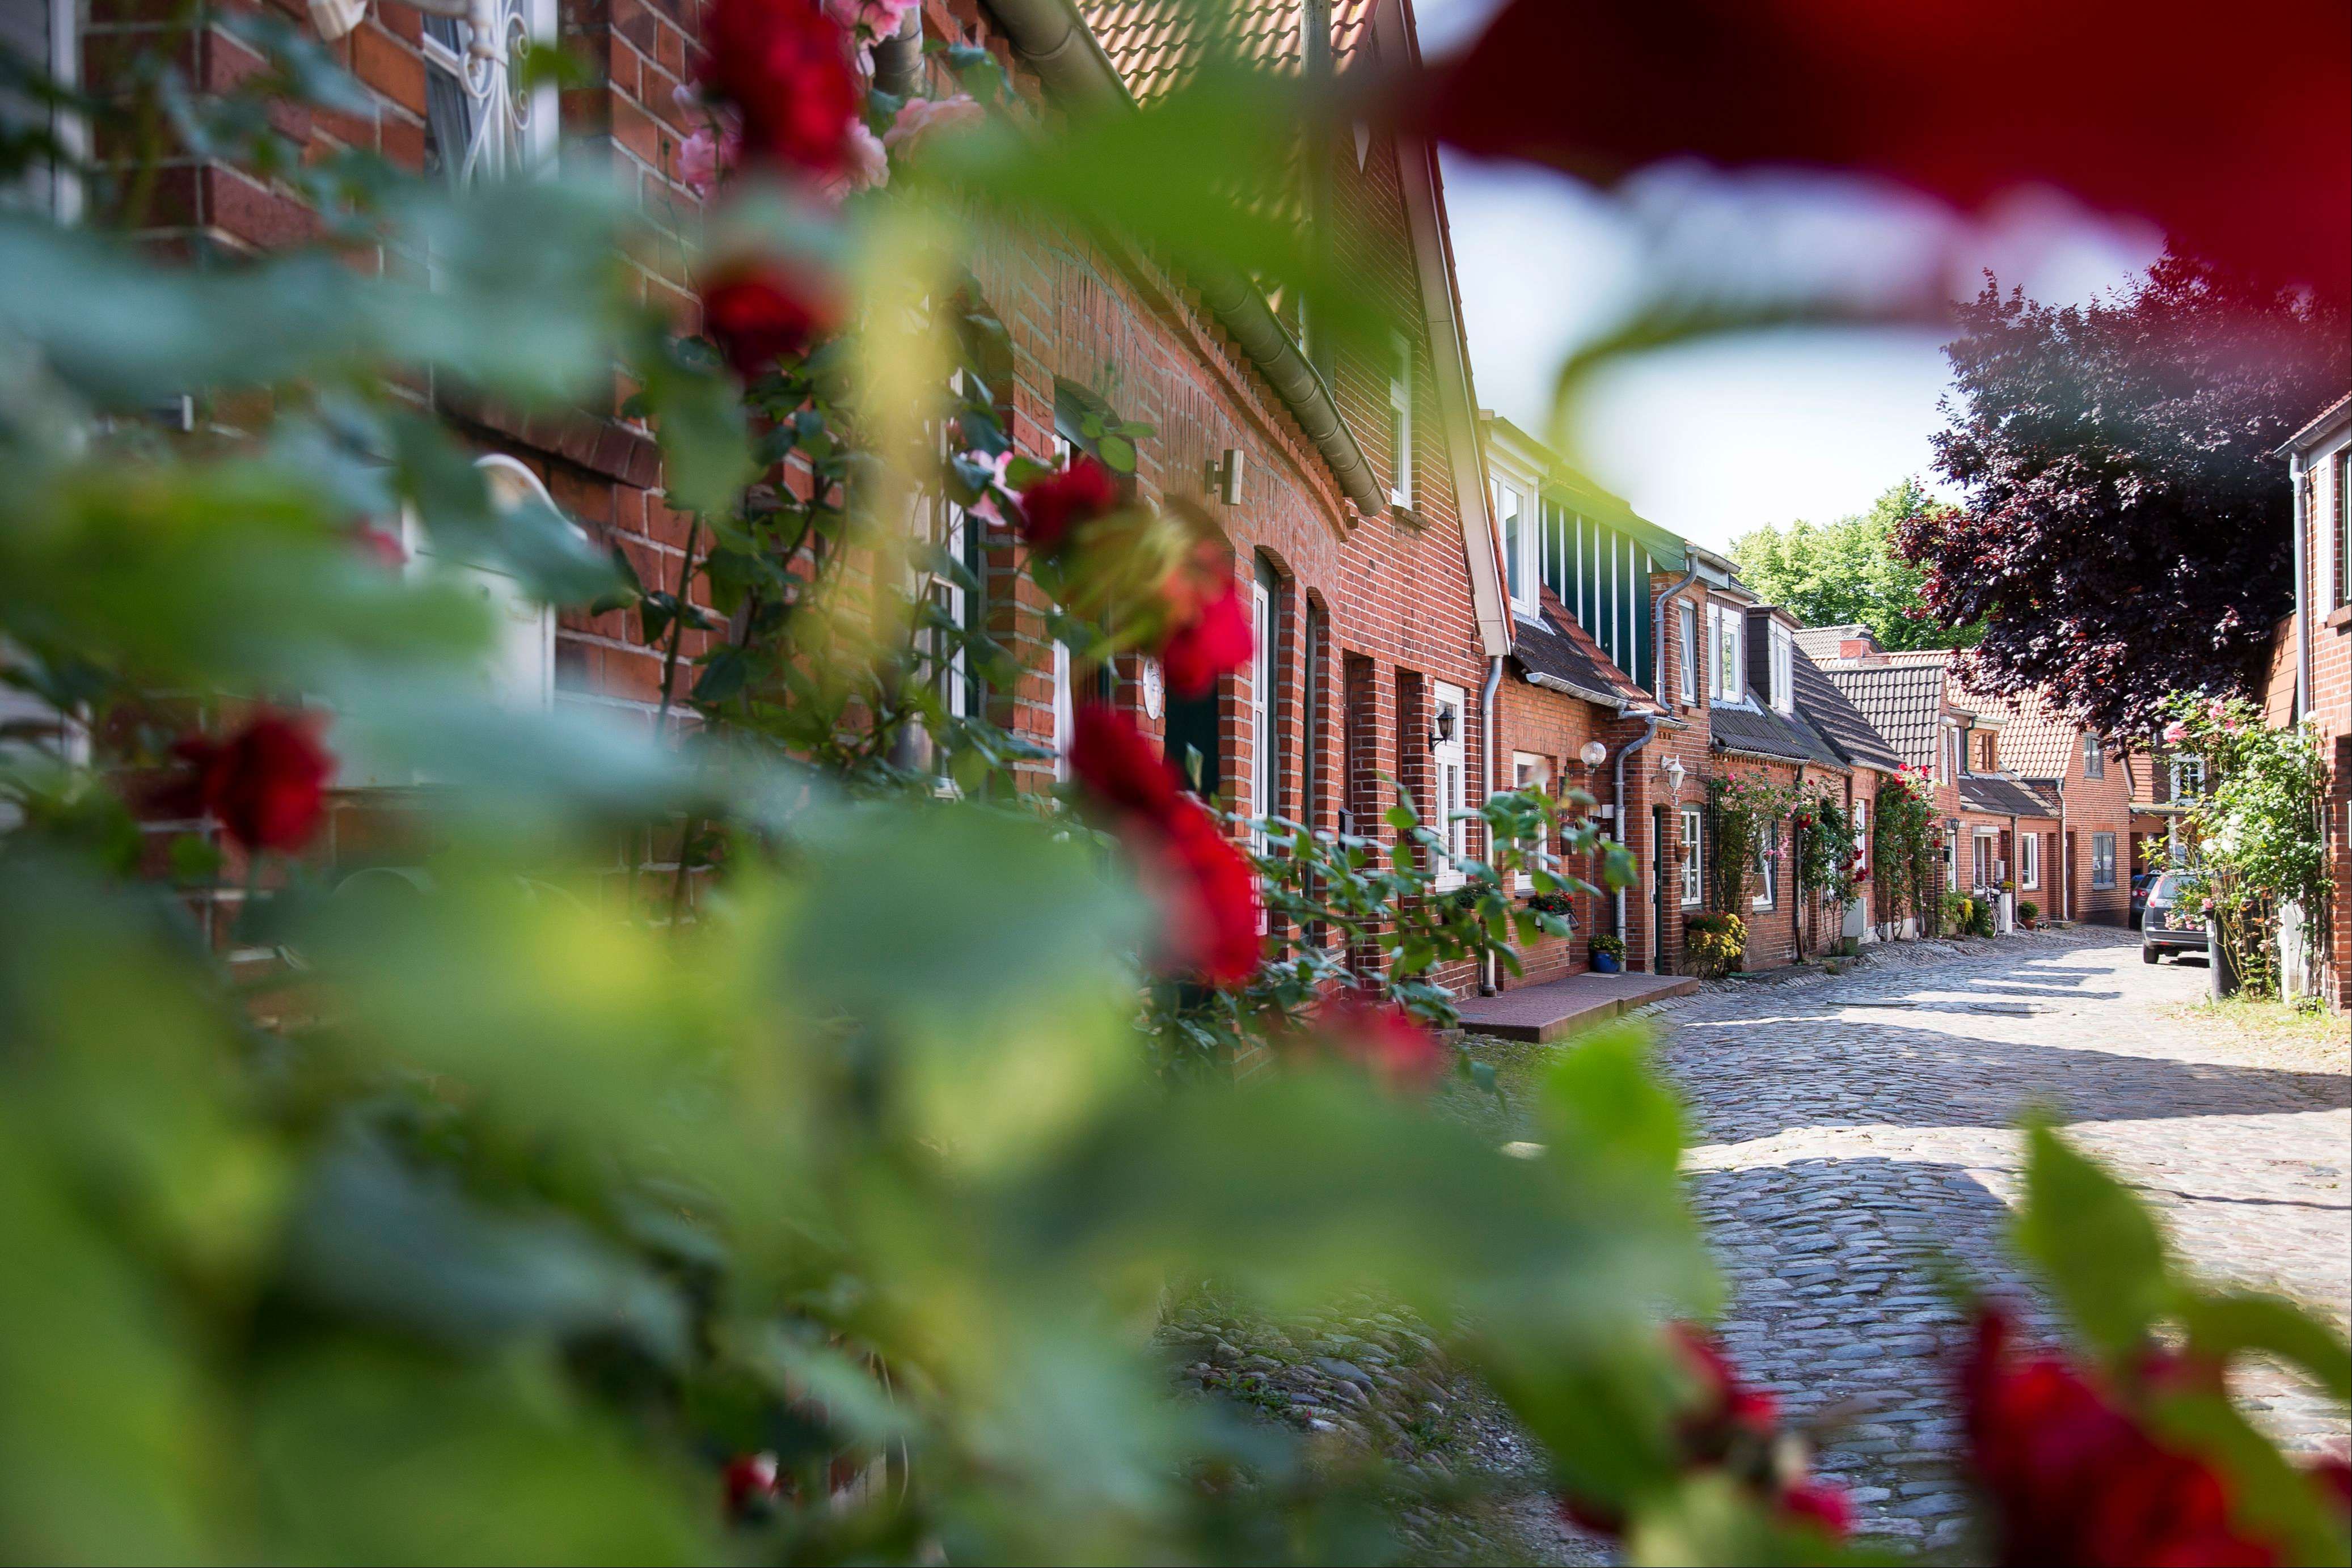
{"x": 2151, "y": 955}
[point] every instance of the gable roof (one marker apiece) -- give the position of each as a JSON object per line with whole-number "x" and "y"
{"x": 2034, "y": 742}
{"x": 1903, "y": 702}
{"x": 1836, "y": 718}
{"x": 1558, "y": 649}
{"x": 1156, "y": 44}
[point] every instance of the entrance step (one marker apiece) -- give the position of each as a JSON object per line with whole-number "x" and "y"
{"x": 1558, "y": 1008}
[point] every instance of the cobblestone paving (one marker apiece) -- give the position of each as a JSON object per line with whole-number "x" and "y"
{"x": 1856, "y": 1133}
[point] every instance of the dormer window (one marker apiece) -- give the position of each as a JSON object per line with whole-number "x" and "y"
{"x": 1784, "y": 670}
{"x": 1514, "y": 520}
{"x": 1727, "y": 666}
{"x": 1986, "y": 755}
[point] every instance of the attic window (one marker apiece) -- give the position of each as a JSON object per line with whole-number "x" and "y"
{"x": 1784, "y": 670}
{"x": 1401, "y": 424}
{"x": 1988, "y": 752}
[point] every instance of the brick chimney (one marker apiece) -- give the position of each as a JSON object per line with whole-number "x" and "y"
{"x": 1862, "y": 647}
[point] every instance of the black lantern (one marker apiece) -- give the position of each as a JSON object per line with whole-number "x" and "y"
{"x": 1444, "y": 731}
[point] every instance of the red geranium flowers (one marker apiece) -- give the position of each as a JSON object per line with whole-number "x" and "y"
{"x": 267, "y": 783}
{"x": 1205, "y": 886}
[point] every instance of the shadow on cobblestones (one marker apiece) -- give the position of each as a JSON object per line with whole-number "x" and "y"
{"x": 1822, "y": 1068}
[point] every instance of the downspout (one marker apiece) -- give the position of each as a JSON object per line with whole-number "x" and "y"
{"x": 1050, "y": 39}
{"x": 898, "y": 58}
{"x": 1489, "y": 981}
{"x": 1649, "y": 730}
{"x": 1658, "y": 627}
{"x": 2065, "y": 856}
{"x": 2302, "y": 592}
{"x": 1797, "y": 878}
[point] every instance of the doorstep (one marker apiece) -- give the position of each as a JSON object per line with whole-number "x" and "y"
{"x": 1556, "y": 1008}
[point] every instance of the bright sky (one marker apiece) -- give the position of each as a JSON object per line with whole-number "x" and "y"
{"x": 1713, "y": 440}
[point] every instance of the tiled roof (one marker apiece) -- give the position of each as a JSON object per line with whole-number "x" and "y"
{"x": 1556, "y": 647}
{"x": 2316, "y": 423}
{"x": 1998, "y": 797}
{"x": 2034, "y": 742}
{"x": 1903, "y": 702}
{"x": 1836, "y": 718}
{"x": 1823, "y": 641}
{"x": 1767, "y": 734}
{"x": 1155, "y": 45}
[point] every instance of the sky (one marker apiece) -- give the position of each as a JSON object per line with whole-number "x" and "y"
{"x": 1716, "y": 438}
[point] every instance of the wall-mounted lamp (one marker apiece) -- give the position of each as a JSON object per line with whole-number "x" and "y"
{"x": 1444, "y": 731}
{"x": 1673, "y": 770}
{"x": 1224, "y": 475}
{"x": 1593, "y": 754}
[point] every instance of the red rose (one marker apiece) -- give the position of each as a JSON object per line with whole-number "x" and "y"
{"x": 1118, "y": 765}
{"x": 382, "y": 547}
{"x": 784, "y": 66}
{"x": 760, "y": 313}
{"x": 1053, "y": 506}
{"x": 1372, "y": 1031}
{"x": 2075, "y": 1479}
{"x": 267, "y": 783}
{"x": 752, "y": 1481}
{"x": 1821, "y": 1503}
{"x": 1206, "y": 888}
{"x": 1212, "y": 637}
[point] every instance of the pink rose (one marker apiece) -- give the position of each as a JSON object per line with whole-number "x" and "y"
{"x": 985, "y": 507}
{"x": 877, "y": 19}
{"x": 704, "y": 160}
{"x": 868, "y": 166}
{"x": 923, "y": 116}
{"x": 2175, "y": 733}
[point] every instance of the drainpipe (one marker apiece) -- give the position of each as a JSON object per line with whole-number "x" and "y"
{"x": 1649, "y": 730}
{"x": 2302, "y": 593}
{"x": 898, "y": 58}
{"x": 1489, "y": 980}
{"x": 1796, "y": 878}
{"x": 1050, "y": 39}
{"x": 2065, "y": 854}
{"x": 1658, "y": 627}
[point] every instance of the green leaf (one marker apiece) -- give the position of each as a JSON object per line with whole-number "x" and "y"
{"x": 2095, "y": 1242}
{"x": 722, "y": 677}
{"x": 2231, "y": 1323}
{"x": 1118, "y": 453}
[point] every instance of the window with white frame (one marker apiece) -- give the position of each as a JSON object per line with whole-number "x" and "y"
{"x": 2188, "y": 778}
{"x": 1766, "y": 868}
{"x": 1686, "y": 628}
{"x": 1449, "y": 774}
{"x": 2102, "y": 860}
{"x": 2340, "y": 475}
{"x": 1862, "y": 839}
{"x": 1727, "y": 628}
{"x": 1264, "y": 771}
{"x": 1513, "y": 519}
{"x": 2029, "y": 860}
{"x": 1529, "y": 772}
{"x": 1694, "y": 870}
{"x": 1784, "y": 669}
{"x": 46, "y": 33}
{"x": 2094, "y": 757}
{"x": 1400, "y": 424}
{"x": 480, "y": 121}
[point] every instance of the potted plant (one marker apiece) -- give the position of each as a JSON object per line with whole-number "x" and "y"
{"x": 1608, "y": 954}
{"x": 1713, "y": 942}
{"x": 2029, "y": 914}
{"x": 1555, "y": 903}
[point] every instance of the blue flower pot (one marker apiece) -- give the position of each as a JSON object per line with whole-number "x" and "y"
{"x": 1605, "y": 964}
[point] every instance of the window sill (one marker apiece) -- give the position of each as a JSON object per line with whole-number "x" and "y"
{"x": 2340, "y": 619}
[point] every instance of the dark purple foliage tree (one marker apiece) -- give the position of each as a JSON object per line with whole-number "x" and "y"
{"x": 2126, "y": 531}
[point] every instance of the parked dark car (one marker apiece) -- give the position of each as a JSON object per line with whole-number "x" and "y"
{"x": 2166, "y": 928}
{"x": 2141, "y": 882}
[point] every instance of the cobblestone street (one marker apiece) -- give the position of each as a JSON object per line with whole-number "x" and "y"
{"x": 1854, "y": 1134}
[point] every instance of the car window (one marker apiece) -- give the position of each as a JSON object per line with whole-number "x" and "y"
{"x": 2166, "y": 886}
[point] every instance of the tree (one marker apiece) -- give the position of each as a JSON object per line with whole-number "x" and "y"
{"x": 2125, "y": 531}
{"x": 1827, "y": 574}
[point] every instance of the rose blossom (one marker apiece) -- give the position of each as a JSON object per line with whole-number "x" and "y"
{"x": 878, "y": 18}
{"x": 1372, "y": 1029}
{"x": 1206, "y": 888}
{"x": 985, "y": 507}
{"x": 1053, "y": 506}
{"x": 1207, "y": 631}
{"x": 784, "y": 66}
{"x": 267, "y": 783}
{"x": 760, "y": 313}
{"x": 704, "y": 158}
{"x": 921, "y": 117}
{"x": 869, "y": 164}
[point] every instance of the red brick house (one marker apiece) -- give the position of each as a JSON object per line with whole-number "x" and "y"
{"x": 1346, "y": 477}
{"x": 1604, "y": 655}
{"x": 1870, "y": 760}
{"x": 2311, "y": 679}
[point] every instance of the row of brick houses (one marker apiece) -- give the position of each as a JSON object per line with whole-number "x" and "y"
{"x": 1440, "y": 601}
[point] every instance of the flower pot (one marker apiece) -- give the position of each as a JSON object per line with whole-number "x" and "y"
{"x": 1605, "y": 964}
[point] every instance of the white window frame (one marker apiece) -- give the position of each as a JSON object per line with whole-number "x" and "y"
{"x": 1985, "y": 862}
{"x": 2094, "y": 757}
{"x": 2098, "y": 840}
{"x": 1727, "y": 633}
{"x": 1687, "y": 623}
{"x": 1521, "y": 575}
{"x": 1862, "y": 839}
{"x": 1265, "y": 779}
{"x": 2189, "y": 767}
{"x": 62, "y": 193}
{"x": 1450, "y": 777}
{"x": 1693, "y": 856}
{"x": 1530, "y": 771}
{"x": 1784, "y": 669}
{"x": 1400, "y": 423}
{"x": 1767, "y": 868}
{"x": 2028, "y": 861}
